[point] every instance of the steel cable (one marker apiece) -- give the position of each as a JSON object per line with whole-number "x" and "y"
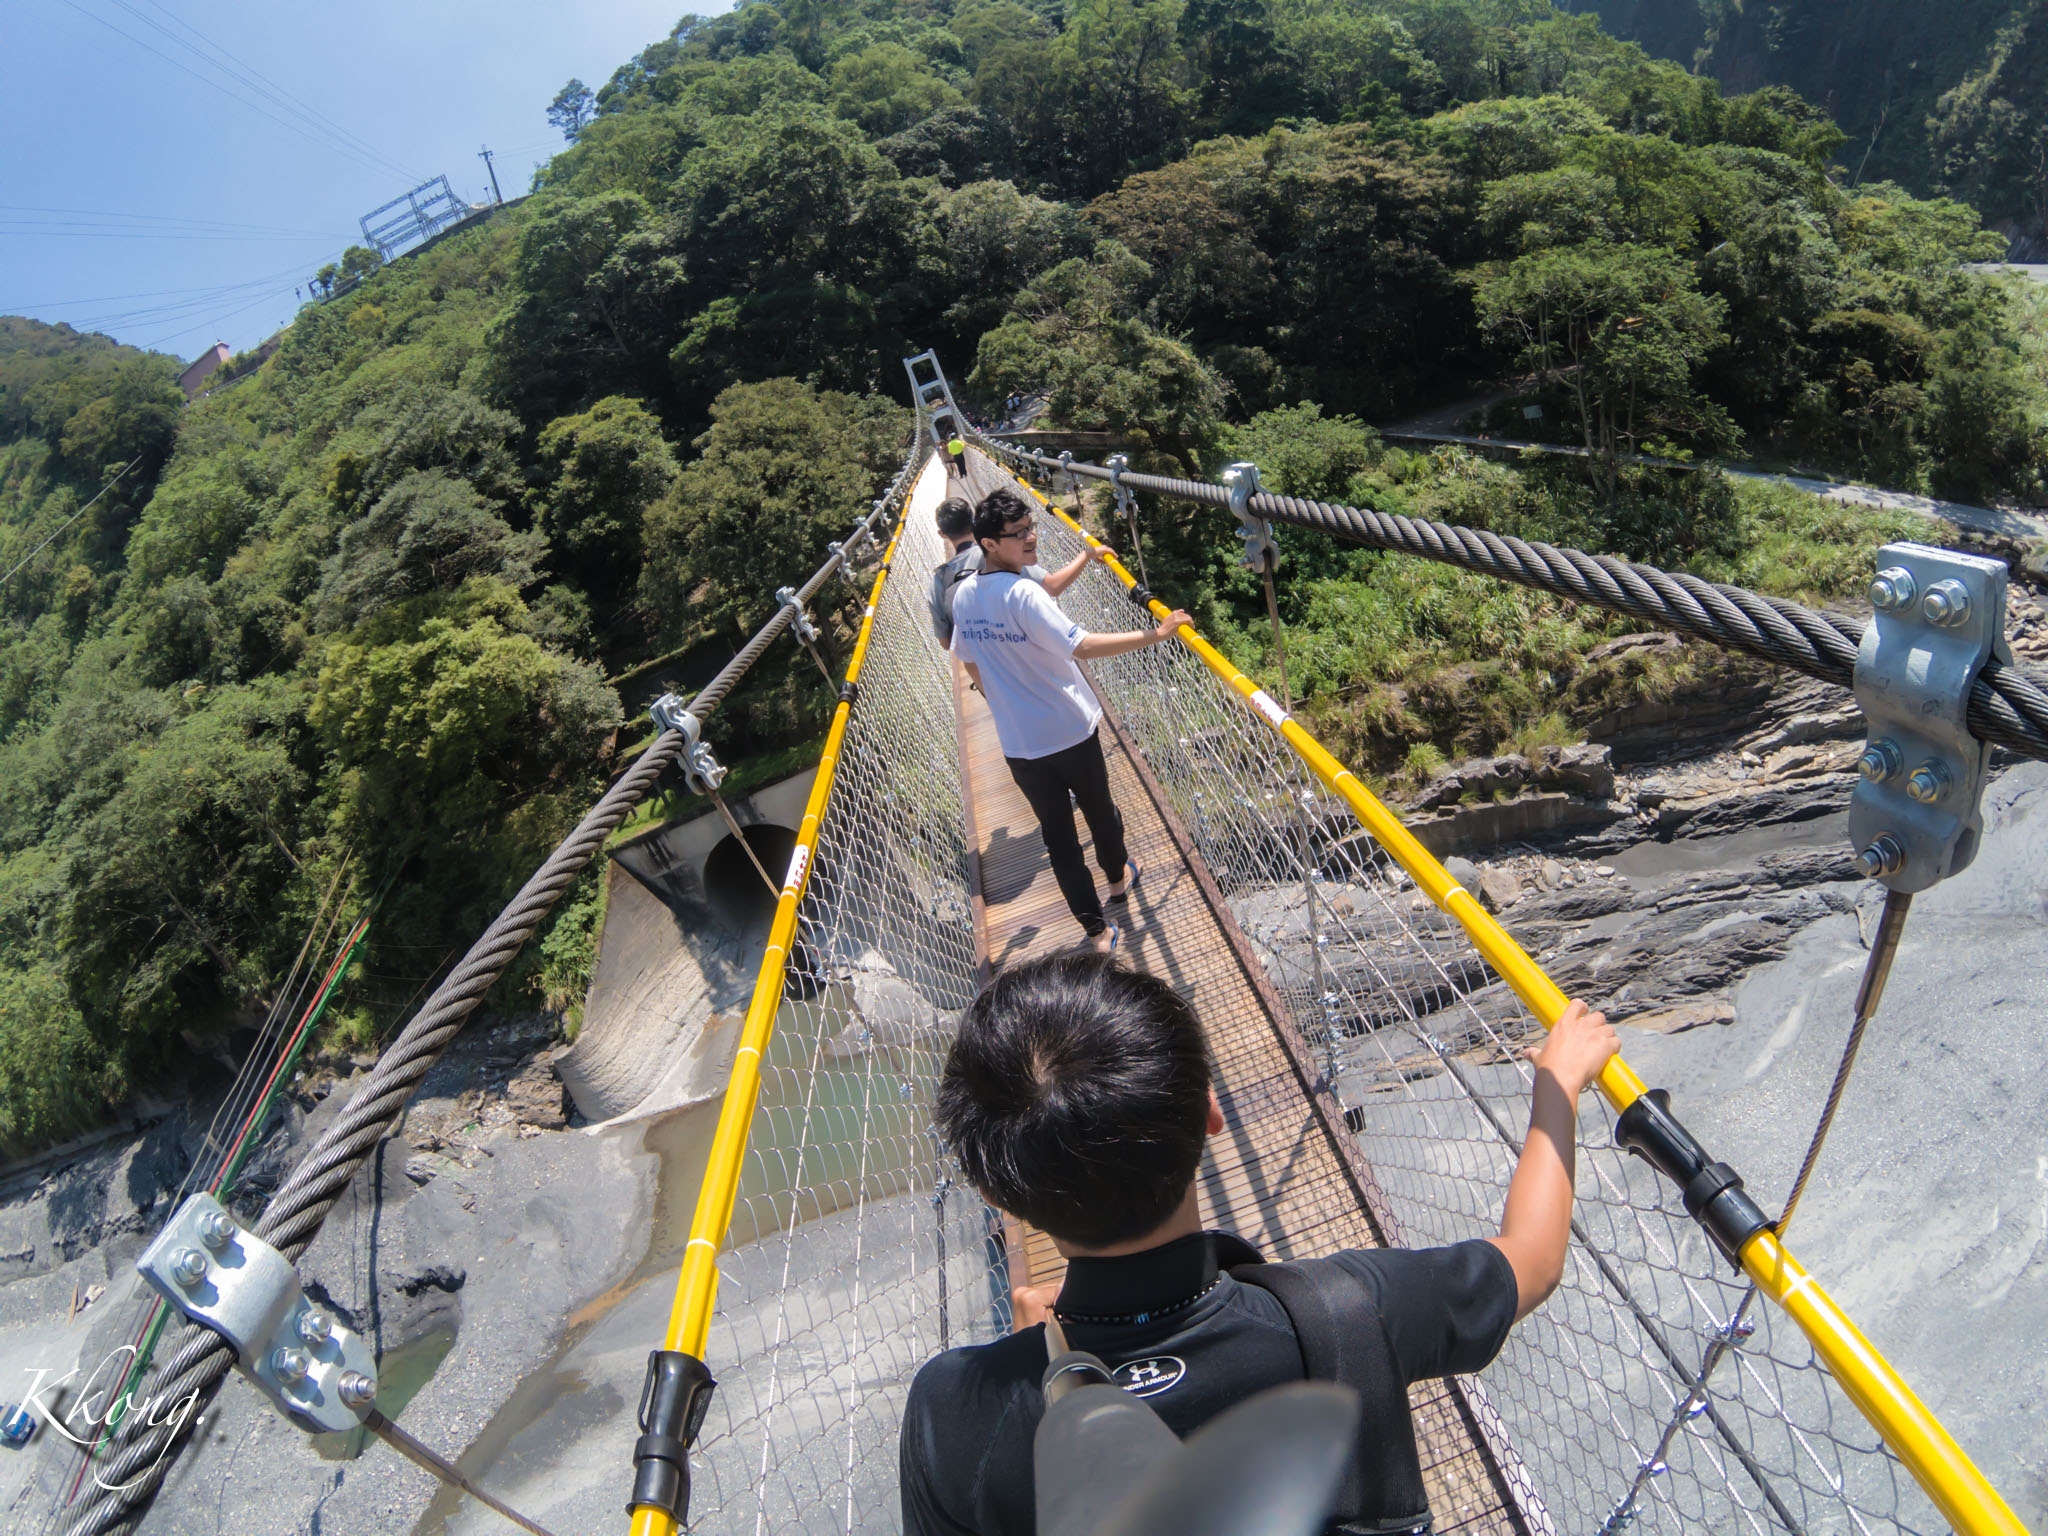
{"x": 2007, "y": 704}
{"x": 293, "y": 1216}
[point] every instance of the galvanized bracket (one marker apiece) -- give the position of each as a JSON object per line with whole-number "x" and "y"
{"x": 799, "y": 621}
{"x": 1126, "y": 500}
{"x": 1916, "y": 817}
{"x": 1242, "y": 482}
{"x": 1064, "y": 484}
{"x": 306, "y": 1361}
{"x": 702, "y": 771}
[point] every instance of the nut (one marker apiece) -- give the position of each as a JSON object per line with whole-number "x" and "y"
{"x": 356, "y": 1390}
{"x": 1883, "y": 857}
{"x": 315, "y": 1327}
{"x": 188, "y": 1267}
{"x": 217, "y": 1229}
{"x": 1947, "y": 603}
{"x": 1881, "y": 760}
{"x": 1930, "y": 781}
{"x": 289, "y": 1364}
{"x": 1893, "y": 588}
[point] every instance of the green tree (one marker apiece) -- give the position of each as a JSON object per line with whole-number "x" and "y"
{"x": 602, "y": 470}
{"x": 1620, "y": 332}
{"x": 573, "y": 106}
{"x": 1078, "y": 334}
{"x": 784, "y": 470}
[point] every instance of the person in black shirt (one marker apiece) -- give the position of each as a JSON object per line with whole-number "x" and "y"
{"x": 1077, "y": 1097}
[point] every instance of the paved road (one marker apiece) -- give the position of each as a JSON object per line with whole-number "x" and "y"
{"x": 1999, "y": 520}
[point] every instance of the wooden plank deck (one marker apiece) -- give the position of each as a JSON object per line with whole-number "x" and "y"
{"x": 1283, "y": 1174}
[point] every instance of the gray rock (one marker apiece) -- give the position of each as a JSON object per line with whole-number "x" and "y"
{"x": 1499, "y": 889}
{"x": 1464, "y": 871}
{"x": 1586, "y": 770}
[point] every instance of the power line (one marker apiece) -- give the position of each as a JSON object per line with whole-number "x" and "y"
{"x": 249, "y": 75}
{"x": 111, "y": 217}
{"x": 74, "y": 517}
{"x": 380, "y": 164}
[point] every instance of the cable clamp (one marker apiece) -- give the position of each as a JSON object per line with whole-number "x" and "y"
{"x": 1126, "y": 499}
{"x": 849, "y": 693}
{"x": 309, "y": 1363}
{"x": 673, "y": 1401}
{"x": 1063, "y": 483}
{"x": 1141, "y": 595}
{"x": 1938, "y": 620}
{"x": 799, "y": 621}
{"x": 1242, "y": 482}
{"x": 702, "y": 771}
{"x": 1712, "y": 1191}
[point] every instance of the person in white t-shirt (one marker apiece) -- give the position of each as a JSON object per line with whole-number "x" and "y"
{"x": 955, "y": 520}
{"x": 1021, "y": 651}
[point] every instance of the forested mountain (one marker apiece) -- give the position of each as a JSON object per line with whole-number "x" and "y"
{"x": 1945, "y": 99}
{"x": 367, "y": 623}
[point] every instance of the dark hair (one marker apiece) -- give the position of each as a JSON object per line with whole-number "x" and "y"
{"x": 955, "y": 517}
{"x": 999, "y": 508}
{"x": 1076, "y": 1097}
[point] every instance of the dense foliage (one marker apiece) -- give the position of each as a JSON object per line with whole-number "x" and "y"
{"x": 370, "y": 617}
{"x": 1941, "y": 98}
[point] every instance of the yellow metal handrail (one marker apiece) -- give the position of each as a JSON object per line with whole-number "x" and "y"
{"x": 689, "y": 1321}
{"x": 1940, "y": 1466}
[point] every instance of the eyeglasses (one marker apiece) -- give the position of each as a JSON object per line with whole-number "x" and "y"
{"x": 1018, "y": 533}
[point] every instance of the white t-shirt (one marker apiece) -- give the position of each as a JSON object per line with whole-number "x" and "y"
{"x": 1023, "y": 645}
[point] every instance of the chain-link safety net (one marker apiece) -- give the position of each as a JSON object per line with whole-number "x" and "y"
{"x": 853, "y": 1256}
{"x": 1654, "y": 1389}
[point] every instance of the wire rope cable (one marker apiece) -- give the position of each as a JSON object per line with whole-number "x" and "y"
{"x": 144, "y": 1453}
{"x": 2008, "y": 705}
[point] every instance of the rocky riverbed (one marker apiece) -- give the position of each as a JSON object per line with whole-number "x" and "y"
{"x": 1697, "y": 884}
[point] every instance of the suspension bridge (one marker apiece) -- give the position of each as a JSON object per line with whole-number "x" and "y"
{"x": 1367, "y": 1017}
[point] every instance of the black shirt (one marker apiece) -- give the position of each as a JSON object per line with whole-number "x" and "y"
{"x": 1187, "y": 1338}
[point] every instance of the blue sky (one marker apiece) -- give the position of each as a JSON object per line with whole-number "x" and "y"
{"x": 146, "y": 193}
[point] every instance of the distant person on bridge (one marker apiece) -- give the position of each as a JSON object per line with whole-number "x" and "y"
{"x": 955, "y": 521}
{"x": 956, "y": 456}
{"x": 1021, "y": 651}
{"x": 1077, "y": 1097}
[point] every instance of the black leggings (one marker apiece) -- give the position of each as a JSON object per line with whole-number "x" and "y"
{"x": 1046, "y": 782}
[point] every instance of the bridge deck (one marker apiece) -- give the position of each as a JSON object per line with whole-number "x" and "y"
{"x": 1284, "y": 1174}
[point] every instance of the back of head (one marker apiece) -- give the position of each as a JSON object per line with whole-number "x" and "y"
{"x": 1076, "y": 1095}
{"x": 955, "y": 517}
{"x": 998, "y": 509}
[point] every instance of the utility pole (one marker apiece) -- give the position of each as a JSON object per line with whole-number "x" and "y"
{"x": 484, "y": 155}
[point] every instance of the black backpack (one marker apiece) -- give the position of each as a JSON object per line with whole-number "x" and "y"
{"x": 1337, "y": 1327}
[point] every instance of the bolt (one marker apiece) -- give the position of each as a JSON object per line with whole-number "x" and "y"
{"x": 289, "y": 1364}
{"x": 1894, "y": 588}
{"x": 217, "y": 1229}
{"x": 1882, "y": 857}
{"x": 356, "y": 1390}
{"x": 188, "y": 1267}
{"x": 1880, "y": 761}
{"x": 1947, "y": 603}
{"x": 315, "y": 1327}
{"x": 1930, "y": 781}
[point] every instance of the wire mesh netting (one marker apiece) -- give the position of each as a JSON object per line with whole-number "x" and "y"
{"x": 1601, "y": 1390}
{"x": 855, "y": 1254}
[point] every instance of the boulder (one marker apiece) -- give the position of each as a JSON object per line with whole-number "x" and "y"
{"x": 1498, "y": 888}
{"x": 1586, "y": 770}
{"x": 536, "y": 1096}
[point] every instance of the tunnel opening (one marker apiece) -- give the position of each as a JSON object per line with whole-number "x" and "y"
{"x": 733, "y": 887}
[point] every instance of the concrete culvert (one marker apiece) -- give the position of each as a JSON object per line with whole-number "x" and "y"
{"x": 733, "y": 887}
